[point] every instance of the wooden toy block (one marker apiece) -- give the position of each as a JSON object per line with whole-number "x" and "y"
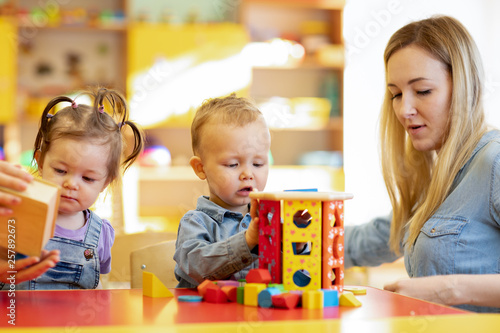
{"x": 153, "y": 287}
{"x": 356, "y": 290}
{"x": 259, "y": 275}
{"x": 293, "y": 264}
{"x": 308, "y": 216}
{"x": 333, "y": 245}
{"x": 251, "y": 294}
{"x": 330, "y": 298}
{"x": 213, "y": 295}
{"x": 276, "y": 285}
{"x": 190, "y": 298}
{"x": 264, "y": 298}
{"x": 270, "y": 238}
{"x": 297, "y": 292}
{"x": 223, "y": 283}
{"x": 205, "y": 285}
{"x": 348, "y": 299}
{"x": 231, "y": 293}
{"x": 32, "y": 222}
{"x": 312, "y": 299}
{"x": 286, "y": 300}
{"x": 240, "y": 295}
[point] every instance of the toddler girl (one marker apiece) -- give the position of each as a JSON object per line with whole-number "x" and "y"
{"x": 80, "y": 148}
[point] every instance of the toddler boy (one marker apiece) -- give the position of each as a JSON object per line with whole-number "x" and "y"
{"x": 217, "y": 240}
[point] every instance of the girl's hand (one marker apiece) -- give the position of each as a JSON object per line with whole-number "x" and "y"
{"x": 14, "y": 178}
{"x": 28, "y": 268}
{"x": 252, "y": 233}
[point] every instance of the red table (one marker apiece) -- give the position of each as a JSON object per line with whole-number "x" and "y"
{"x": 129, "y": 307}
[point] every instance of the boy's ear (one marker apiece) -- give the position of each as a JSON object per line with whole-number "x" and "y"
{"x": 197, "y": 166}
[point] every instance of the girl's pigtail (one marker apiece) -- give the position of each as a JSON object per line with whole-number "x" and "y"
{"x": 116, "y": 102}
{"x": 138, "y": 144}
{"x": 44, "y": 122}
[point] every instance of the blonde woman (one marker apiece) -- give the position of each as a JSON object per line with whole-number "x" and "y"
{"x": 441, "y": 166}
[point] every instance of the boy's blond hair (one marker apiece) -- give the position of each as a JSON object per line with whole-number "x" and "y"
{"x": 229, "y": 110}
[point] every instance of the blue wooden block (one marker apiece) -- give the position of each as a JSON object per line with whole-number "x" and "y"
{"x": 330, "y": 297}
{"x": 265, "y": 297}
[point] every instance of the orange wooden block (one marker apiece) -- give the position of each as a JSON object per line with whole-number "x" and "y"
{"x": 28, "y": 229}
{"x": 259, "y": 275}
{"x": 231, "y": 293}
{"x": 205, "y": 285}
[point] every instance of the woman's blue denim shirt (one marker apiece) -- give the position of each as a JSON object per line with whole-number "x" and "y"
{"x": 211, "y": 245}
{"x": 462, "y": 237}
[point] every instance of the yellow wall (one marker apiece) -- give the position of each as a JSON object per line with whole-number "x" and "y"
{"x": 8, "y": 55}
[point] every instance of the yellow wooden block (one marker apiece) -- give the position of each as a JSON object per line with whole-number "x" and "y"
{"x": 312, "y": 299}
{"x": 348, "y": 299}
{"x": 153, "y": 287}
{"x": 356, "y": 290}
{"x": 251, "y": 293}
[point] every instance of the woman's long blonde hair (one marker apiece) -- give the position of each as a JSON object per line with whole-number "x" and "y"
{"x": 419, "y": 182}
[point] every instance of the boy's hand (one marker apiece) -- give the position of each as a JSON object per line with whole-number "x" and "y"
{"x": 252, "y": 233}
{"x": 299, "y": 247}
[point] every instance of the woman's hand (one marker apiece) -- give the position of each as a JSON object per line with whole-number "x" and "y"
{"x": 437, "y": 289}
{"x": 28, "y": 268}
{"x": 473, "y": 289}
{"x": 14, "y": 178}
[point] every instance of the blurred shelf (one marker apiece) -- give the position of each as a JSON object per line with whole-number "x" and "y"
{"x": 171, "y": 173}
{"x": 309, "y": 63}
{"x": 334, "y": 124}
{"x": 76, "y": 28}
{"x": 172, "y": 191}
{"x": 309, "y": 4}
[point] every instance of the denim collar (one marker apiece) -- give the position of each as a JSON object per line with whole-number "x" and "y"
{"x": 215, "y": 211}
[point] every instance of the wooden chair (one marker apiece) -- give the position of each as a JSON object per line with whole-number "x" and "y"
{"x": 124, "y": 245}
{"x": 157, "y": 259}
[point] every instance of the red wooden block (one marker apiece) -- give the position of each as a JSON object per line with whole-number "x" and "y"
{"x": 286, "y": 300}
{"x": 215, "y": 296}
{"x": 259, "y": 275}
{"x": 231, "y": 293}
{"x": 205, "y": 285}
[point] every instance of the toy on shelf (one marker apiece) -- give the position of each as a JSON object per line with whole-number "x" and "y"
{"x": 316, "y": 218}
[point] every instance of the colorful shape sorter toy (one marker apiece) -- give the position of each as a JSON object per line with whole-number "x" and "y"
{"x": 299, "y": 217}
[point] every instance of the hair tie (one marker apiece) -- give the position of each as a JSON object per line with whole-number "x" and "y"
{"x": 101, "y": 109}
{"x": 120, "y": 125}
{"x": 49, "y": 115}
{"x": 74, "y": 105}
